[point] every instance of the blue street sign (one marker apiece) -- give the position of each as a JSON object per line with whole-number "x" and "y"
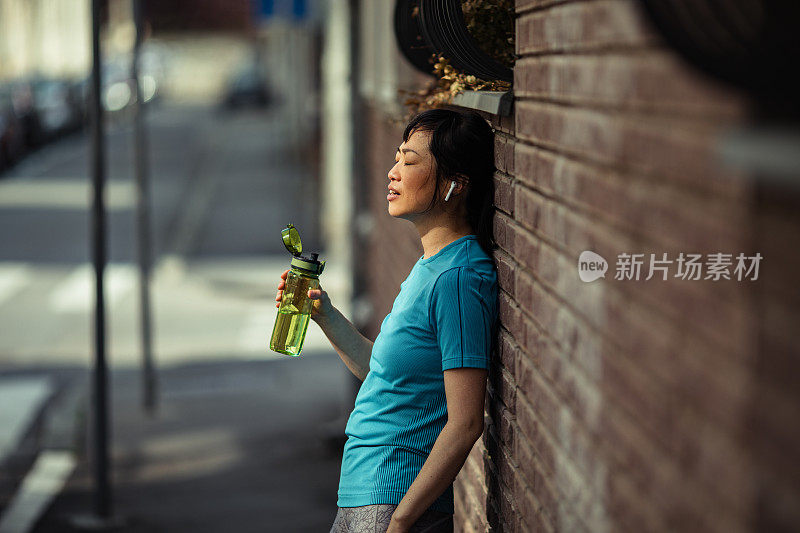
{"x": 292, "y": 9}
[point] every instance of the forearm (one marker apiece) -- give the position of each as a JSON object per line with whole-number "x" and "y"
{"x": 353, "y": 348}
{"x": 447, "y": 457}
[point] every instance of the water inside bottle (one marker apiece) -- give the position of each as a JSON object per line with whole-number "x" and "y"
{"x": 289, "y": 332}
{"x": 293, "y": 315}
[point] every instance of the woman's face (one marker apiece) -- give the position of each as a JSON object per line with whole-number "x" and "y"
{"x": 413, "y": 177}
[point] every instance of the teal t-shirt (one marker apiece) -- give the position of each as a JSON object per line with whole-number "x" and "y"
{"x": 444, "y": 317}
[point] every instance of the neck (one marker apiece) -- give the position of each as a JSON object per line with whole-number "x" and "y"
{"x": 435, "y": 238}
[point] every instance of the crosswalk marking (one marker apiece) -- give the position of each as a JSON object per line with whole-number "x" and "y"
{"x": 13, "y": 278}
{"x": 201, "y": 310}
{"x": 76, "y": 293}
{"x": 40, "y": 486}
{"x": 64, "y": 193}
{"x": 257, "y": 329}
{"x": 22, "y": 400}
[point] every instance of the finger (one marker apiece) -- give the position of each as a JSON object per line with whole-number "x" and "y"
{"x": 278, "y": 296}
{"x": 285, "y": 272}
{"x": 281, "y": 285}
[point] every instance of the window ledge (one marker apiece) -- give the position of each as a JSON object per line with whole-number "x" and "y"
{"x": 494, "y": 102}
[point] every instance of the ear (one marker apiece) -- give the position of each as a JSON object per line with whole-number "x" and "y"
{"x": 461, "y": 183}
{"x": 460, "y": 179}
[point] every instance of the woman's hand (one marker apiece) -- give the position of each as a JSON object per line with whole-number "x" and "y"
{"x": 322, "y": 304}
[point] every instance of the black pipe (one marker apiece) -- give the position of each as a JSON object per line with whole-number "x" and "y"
{"x": 143, "y": 234}
{"x": 100, "y": 379}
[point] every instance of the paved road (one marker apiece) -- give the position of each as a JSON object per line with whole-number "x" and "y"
{"x": 240, "y": 440}
{"x": 223, "y": 188}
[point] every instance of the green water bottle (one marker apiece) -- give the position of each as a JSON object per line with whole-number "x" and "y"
{"x": 294, "y": 312}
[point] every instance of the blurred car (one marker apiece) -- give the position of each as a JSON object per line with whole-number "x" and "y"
{"x": 79, "y": 95}
{"x": 247, "y": 87}
{"x": 12, "y": 134}
{"x": 20, "y": 92}
{"x": 52, "y": 101}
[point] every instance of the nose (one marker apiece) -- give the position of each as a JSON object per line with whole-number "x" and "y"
{"x": 393, "y": 175}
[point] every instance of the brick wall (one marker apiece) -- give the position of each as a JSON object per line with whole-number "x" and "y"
{"x": 657, "y": 405}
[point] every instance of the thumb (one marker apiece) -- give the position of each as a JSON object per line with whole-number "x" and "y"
{"x": 315, "y": 293}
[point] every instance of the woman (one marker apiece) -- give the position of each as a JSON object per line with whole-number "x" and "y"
{"x": 419, "y": 410}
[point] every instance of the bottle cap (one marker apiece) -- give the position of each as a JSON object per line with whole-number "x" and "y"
{"x": 291, "y": 240}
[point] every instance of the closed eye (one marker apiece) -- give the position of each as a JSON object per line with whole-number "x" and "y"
{"x": 397, "y": 158}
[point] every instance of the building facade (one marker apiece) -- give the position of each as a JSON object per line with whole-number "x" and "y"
{"x": 647, "y": 400}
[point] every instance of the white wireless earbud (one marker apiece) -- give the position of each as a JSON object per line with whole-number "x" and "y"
{"x": 452, "y": 186}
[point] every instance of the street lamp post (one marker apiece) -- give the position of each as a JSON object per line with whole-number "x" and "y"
{"x": 143, "y": 218}
{"x": 100, "y": 378}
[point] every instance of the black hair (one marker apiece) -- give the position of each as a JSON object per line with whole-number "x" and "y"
{"x": 462, "y": 144}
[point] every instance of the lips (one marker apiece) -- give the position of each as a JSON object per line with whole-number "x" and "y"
{"x": 391, "y": 196}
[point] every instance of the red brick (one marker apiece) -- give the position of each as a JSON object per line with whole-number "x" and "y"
{"x": 509, "y": 316}
{"x": 508, "y": 124}
{"x": 582, "y": 26}
{"x": 510, "y": 148}
{"x": 675, "y": 219}
{"x": 628, "y": 507}
{"x": 509, "y": 350}
{"x": 502, "y": 235}
{"x": 682, "y": 154}
{"x": 528, "y": 5}
{"x": 504, "y": 153}
{"x": 501, "y": 459}
{"x": 524, "y": 287}
{"x": 504, "y": 193}
{"x": 501, "y": 512}
{"x": 532, "y": 443}
{"x": 505, "y": 272}
{"x": 535, "y": 167}
{"x": 505, "y": 427}
{"x": 528, "y": 208}
{"x": 529, "y": 508}
{"x": 654, "y": 80}
{"x": 616, "y": 318}
{"x": 503, "y": 386}
{"x": 525, "y": 246}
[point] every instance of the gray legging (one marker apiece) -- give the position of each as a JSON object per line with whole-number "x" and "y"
{"x": 375, "y": 519}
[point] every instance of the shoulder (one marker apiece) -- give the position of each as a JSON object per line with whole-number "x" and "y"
{"x": 465, "y": 275}
{"x": 460, "y": 293}
{"x": 464, "y": 279}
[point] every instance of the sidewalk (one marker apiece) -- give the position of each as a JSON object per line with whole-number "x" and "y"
{"x": 235, "y": 446}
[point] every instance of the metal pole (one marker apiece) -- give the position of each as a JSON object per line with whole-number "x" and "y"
{"x": 356, "y": 135}
{"x": 100, "y": 381}
{"x": 143, "y": 220}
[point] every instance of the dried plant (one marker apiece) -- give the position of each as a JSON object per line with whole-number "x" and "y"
{"x": 448, "y": 83}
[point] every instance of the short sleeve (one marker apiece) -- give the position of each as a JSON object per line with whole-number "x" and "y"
{"x": 463, "y": 312}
